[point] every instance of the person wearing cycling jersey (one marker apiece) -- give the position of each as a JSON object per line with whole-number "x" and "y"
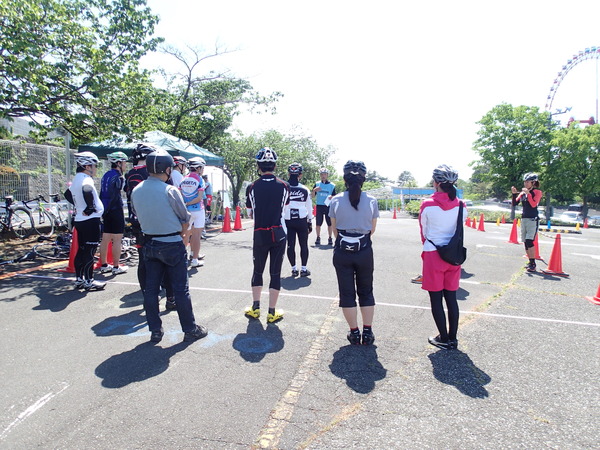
{"x": 323, "y": 191}
{"x": 208, "y": 196}
{"x": 135, "y": 176}
{"x": 265, "y": 200}
{"x": 354, "y": 216}
{"x": 437, "y": 221}
{"x": 192, "y": 189}
{"x": 178, "y": 171}
{"x": 298, "y": 217}
{"x": 113, "y": 219}
{"x": 529, "y": 196}
{"x": 88, "y": 212}
{"x": 163, "y": 217}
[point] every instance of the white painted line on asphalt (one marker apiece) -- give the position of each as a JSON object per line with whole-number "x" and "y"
{"x": 585, "y": 254}
{"x": 32, "y": 409}
{"x": 284, "y": 294}
{"x": 504, "y": 316}
{"x": 485, "y": 245}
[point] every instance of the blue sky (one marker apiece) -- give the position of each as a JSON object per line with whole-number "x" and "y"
{"x": 399, "y": 85}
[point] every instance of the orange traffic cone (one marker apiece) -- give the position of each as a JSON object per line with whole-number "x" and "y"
{"x": 555, "y": 263}
{"x": 394, "y": 214}
{"x": 227, "y": 222}
{"x": 72, "y": 252}
{"x": 481, "y": 223}
{"x": 503, "y": 219}
{"x": 109, "y": 258}
{"x": 468, "y": 222}
{"x": 595, "y": 299}
{"x": 513, "y": 234}
{"x": 237, "y": 226}
{"x": 585, "y": 223}
{"x": 474, "y": 223}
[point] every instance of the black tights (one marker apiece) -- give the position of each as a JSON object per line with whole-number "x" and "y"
{"x": 440, "y": 317}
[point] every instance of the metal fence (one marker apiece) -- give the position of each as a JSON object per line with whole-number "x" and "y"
{"x": 28, "y": 170}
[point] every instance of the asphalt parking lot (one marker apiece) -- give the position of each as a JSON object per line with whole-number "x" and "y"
{"x": 79, "y": 372}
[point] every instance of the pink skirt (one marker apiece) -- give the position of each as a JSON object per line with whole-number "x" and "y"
{"x": 438, "y": 274}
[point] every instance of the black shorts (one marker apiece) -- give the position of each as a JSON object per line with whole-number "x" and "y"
{"x": 114, "y": 222}
{"x": 323, "y": 211}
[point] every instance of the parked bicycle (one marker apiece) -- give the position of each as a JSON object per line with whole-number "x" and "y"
{"x": 15, "y": 218}
{"x": 50, "y": 215}
{"x": 59, "y": 249}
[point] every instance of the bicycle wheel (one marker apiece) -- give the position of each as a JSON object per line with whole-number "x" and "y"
{"x": 50, "y": 250}
{"x": 21, "y": 222}
{"x": 46, "y": 226}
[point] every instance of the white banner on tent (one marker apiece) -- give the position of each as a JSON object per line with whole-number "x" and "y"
{"x": 226, "y": 200}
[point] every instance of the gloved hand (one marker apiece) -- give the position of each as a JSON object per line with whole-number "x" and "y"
{"x": 89, "y": 210}
{"x": 309, "y": 226}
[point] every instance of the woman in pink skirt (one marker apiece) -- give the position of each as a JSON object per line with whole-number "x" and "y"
{"x": 437, "y": 220}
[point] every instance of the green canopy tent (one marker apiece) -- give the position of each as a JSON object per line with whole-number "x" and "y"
{"x": 175, "y": 146}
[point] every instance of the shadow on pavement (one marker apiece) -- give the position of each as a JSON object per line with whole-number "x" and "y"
{"x": 257, "y": 341}
{"x": 462, "y": 294}
{"x": 145, "y": 361}
{"x": 359, "y": 366}
{"x": 457, "y": 369}
{"x": 128, "y": 323}
{"x": 292, "y": 284}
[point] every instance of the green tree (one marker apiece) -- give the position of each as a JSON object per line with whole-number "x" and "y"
{"x": 239, "y": 152}
{"x": 65, "y": 62}
{"x": 201, "y": 107}
{"x": 407, "y": 179}
{"x": 511, "y": 142}
{"x": 375, "y": 178}
{"x": 575, "y": 165}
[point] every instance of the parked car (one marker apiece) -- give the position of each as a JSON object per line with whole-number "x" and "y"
{"x": 571, "y": 217}
{"x": 594, "y": 220}
{"x": 575, "y": 207}
{"x": 468, "y": 203}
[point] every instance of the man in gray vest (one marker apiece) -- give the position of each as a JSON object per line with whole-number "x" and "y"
{"x": 162, "y": 214}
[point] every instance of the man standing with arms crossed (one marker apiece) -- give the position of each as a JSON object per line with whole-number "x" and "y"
{"x": 163, "y": 216}
{"x": 324, "y": 191}
{"x": 265, "y": 201}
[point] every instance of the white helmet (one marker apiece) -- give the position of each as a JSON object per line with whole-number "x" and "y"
{"x": 445, "y": 174}
{"x": 196, "y": 162}
{"x": 86, "y": 159}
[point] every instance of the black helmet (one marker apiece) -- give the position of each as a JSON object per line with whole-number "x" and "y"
{"x": 530, "y": 177}
{"x": 295, "y": 169}
{"x": 266, "y": 155}
{"x": 355, "y": 167}
{"x": 159, "y": 161}
{"x": 445, "y": 174}
{"x": 142, "y": 150}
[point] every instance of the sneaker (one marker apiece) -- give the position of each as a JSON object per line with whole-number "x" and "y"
{"x": 253, "y": 313}
{"x": 106, "y": 268}
{"x": 272, "y": 318}
{"x": 79, "y": 284}
{"x": 198, "y": 333}
{"x": 437, "y": 342}
{"x": 329, "y": 241}
{"x": 531, "y": 267}
{"x": 368, "y": 338}
{"x": 295, "y": 273}
{"x": 119, "y": 270}
{"x": 318, "y": 241}
{"x": 93, "y": 285}
{"x": 353, "y": 338}
{"x": 418, "y": 279}
{"x": 453, "y": 344}
{"x": 157, "y": 335}
{"x": 304, "y": 273}
{"x": 170, "y": 305}
{"x": 196, "y": 263}
{"x": 201, "y": 256}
